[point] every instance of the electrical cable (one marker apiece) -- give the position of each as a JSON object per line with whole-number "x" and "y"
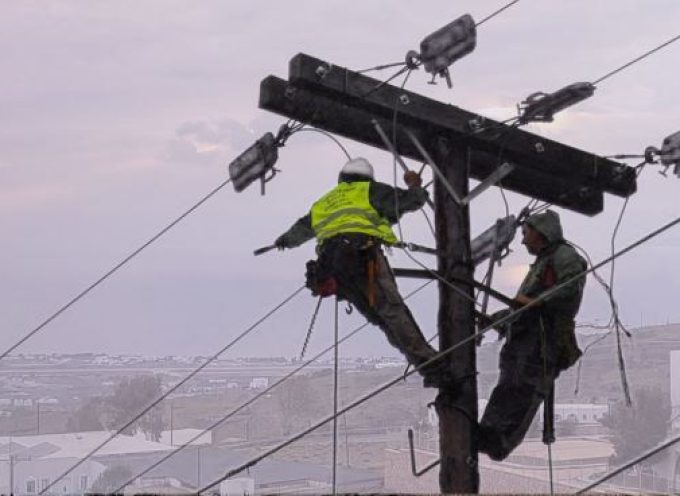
{"x": 386, "y": 81}
{"x": 335, "y": 398}
{"x": 381, "y": 67}
{"x": 394, "y": 161}
{"x": 173, "y": 388}
{"x": 613, "y": 316}
{"x": 261, "y": 394}
{"x": 636, "y": 60}
{"x": 327, "y": 134}
{"x": 441, "y": 354}
{"x": 396, "y": 204}
{"x": 120, "y": 264}
{"x": 505, "y": 137}
{"x": 429, "y": 223}
{"x": 494, "y": 14}
{"x": 630, "y": 464}
{"x": 618, "y": 325}
{"x": 441, "y": 279}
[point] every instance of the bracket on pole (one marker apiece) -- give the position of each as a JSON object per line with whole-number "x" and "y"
{"x": 492, "y": 179}
{"x": 393, "y": 151}
{"x": 424, "y": 470}
{"x": 495, "y": 177}
{"x": 435, "y": 169}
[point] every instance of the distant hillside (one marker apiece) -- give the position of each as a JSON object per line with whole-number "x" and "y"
{"x": 646, "y": 356}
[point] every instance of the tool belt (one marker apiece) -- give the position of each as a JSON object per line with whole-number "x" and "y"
{"x": 343, "y": 262}
{"x": 319, "y": 283}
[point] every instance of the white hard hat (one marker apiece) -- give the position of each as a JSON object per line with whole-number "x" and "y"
{"x": 359, "y": 166}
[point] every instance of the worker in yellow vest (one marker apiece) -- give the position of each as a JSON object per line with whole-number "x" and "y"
{"x": 351, "y": 223}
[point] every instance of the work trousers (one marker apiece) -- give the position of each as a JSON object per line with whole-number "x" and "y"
{"x": 527, "y": 374}
{"x": 388, "y": 310}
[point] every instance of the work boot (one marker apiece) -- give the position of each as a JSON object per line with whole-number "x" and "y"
{"x": 491, "y": 443}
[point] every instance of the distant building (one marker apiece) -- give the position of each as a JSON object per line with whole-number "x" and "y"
{"x": 34, "y": 462}
{"x": 524, "y": 472}
{"x": 578, "y": 413}
{"x": 259, "y": 383}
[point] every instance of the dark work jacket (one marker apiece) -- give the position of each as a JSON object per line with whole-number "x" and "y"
{"x": 556, "y": 264}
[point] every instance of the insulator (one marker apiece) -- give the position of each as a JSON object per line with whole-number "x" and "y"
{"x": 541, "y": 107}
{"x": 446, "y": 45}
{"x": 254, "y": 163}
{"x": 670, "y": 152}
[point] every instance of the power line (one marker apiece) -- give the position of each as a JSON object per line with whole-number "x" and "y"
{"x": 441, "y": 279}
{"x": 441, "y": 354}
{"x": 632, "y": 463}
{"x": 114, "y": 269}
{"x": 328, "y": 135}
{"x": 264, "y": 392}
{"x": 636, "y": 60}
{"x": 494, "y": 14}
{"x": 175, "y": 387}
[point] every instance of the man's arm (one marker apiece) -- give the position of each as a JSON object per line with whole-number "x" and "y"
{"x": 299, "y": 233}
{"x": 392, "y": 203}
{"x": 565, "y": 265}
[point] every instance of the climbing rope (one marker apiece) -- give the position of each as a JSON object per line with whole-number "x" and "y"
{"x": 335, "y": 398}
{"x": 311, "y": 326}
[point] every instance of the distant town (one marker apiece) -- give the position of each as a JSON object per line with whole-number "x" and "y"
{"x": 56, "y": 408}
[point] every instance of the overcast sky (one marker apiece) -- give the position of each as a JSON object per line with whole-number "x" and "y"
{"x": 115, "y": 117}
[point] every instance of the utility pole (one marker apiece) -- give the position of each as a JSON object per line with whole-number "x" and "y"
{"x": 457, "y": 443}
{"x": 172, "y": 422}
{"x": 353, "y": 105}
{"x": 12, "y": 460}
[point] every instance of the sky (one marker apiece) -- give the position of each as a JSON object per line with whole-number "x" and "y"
{"x": 116, "y": 117}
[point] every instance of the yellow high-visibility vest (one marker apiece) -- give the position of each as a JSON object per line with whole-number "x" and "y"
{"x": 347, "y": 209}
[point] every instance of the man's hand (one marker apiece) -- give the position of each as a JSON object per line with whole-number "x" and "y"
{"x": 524, "y": 300}
{"x": 280, "y": 243}
{"x": 412, "y": 179}
{"x": 503, "y": 327}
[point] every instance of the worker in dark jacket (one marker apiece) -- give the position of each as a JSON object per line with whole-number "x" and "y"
{"x": 351, "y": 223}
{"x": 540, "y": 342}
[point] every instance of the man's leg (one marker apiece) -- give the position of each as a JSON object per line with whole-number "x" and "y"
{"x": 512, "y": 407}
{"x": 396, "y": 320}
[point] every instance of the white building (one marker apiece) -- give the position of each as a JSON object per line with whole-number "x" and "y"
{"x": 259, "y": 383}
{"x": 33, "y": 462}
{"x": 578, "y": 413}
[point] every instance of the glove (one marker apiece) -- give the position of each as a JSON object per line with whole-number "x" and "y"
{"x": 503, "y": 327}
{"x": 412, "y": 179}
{"x": 281, "y": 243}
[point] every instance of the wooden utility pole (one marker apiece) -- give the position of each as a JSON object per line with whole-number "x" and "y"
{"x": 457, "y": 409}
{"x": 341, "y": 101}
